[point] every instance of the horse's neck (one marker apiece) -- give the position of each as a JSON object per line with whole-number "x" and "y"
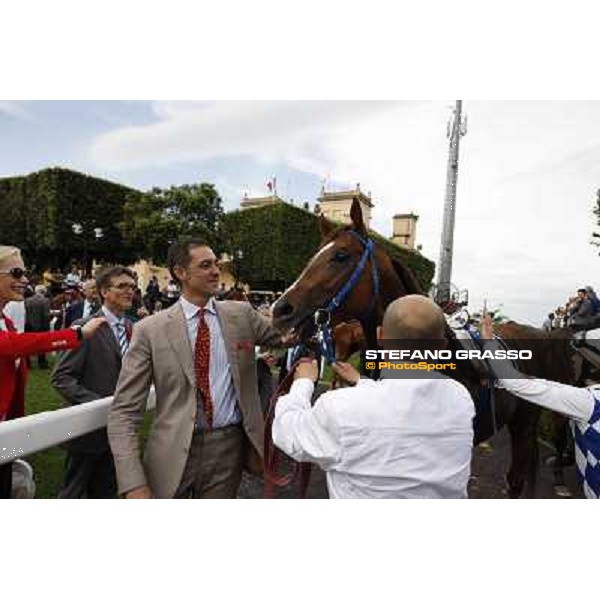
{"x": 391, "y": 287}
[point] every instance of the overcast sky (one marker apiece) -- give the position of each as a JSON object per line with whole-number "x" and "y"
{"x": 527, "y": 177}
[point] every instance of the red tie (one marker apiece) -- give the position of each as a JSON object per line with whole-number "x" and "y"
{"x": 201, "y": 364}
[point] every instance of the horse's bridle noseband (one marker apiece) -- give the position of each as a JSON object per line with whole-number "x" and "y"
{"x": 323, "y": 315}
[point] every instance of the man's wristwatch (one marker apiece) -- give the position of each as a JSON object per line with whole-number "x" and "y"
{"x": 78, "y": 331}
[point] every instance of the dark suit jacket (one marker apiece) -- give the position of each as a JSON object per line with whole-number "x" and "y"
{"x": 37, "y": 313}
{"x": 73, "y": 312}
{"x": 86, "y": 374}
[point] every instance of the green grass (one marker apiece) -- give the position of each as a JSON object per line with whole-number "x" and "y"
{"x": 48, "y": 466}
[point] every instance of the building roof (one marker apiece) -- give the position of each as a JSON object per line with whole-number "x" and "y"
{"x": 259, "y": 201}
{"x": 345, "y": 195}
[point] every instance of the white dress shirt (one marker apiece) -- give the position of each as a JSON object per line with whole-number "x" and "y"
{"x": 88, "y": 308}
{"x": 112, "y": 321}
{"x": 15, "y": 311}
{"x": 222, "y": 390}
{"x": 393, "y": 438}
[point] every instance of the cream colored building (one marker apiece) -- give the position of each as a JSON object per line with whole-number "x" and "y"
{"x": 145, "y": 270}
{"x": 336, "y": 205}
{"x": 259, "y": 201}
{"x": 404, "y": 230}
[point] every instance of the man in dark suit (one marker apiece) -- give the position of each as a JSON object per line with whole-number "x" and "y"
{"x": 85, "y": 307}
{"x": 37, "y": 317}
{"x": 89, "y": 373}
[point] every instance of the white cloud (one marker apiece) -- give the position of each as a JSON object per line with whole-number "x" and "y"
{"x": 186, "y": 132}
{"x": 14, "y": 108}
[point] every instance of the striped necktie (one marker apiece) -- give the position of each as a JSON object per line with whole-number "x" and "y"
{"x": 122, "y": 336}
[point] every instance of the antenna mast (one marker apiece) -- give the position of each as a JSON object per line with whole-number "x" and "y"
{"x": 456, "y": 129}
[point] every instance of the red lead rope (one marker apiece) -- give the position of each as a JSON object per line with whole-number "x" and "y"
{"x": 273, "y": 456}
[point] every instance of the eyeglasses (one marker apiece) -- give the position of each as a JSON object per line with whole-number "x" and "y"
{"x": 15, "y": 272}
{"x": 124, "y": 286}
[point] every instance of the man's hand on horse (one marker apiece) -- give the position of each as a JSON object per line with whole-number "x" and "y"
{"x": 485, "y": 327}
{"x": 307, "y": 370}
{"x": 269, "y": 358}
{"x": 290, "y": 339}
{"x": 346, "y": 372}
{"x": 139, "y": 493}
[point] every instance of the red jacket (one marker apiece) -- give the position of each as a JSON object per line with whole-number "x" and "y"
{"x": 15, "y": 345}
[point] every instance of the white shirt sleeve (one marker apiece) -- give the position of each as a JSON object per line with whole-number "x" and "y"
{"x": 307, "y": 434}
{"x": 576, "y": 403}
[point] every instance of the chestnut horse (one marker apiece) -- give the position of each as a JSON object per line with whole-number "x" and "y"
{"x": 330, "y": 269}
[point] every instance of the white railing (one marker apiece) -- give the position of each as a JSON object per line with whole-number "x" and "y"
{"x": 44, "y": 430}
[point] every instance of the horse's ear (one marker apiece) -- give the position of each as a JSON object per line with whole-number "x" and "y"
{"x": 326, "y": 227}
{"x": 357, "y": 218}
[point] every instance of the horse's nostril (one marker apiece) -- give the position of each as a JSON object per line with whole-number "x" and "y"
{"x": 283, "y": 309}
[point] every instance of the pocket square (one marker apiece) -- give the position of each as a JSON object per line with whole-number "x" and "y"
{"x": 244, "y": 345}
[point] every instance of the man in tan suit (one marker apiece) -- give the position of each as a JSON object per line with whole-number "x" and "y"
{"x": 199, "y": 354}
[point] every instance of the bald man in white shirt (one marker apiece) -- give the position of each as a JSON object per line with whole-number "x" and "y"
{"x": 392, "y": 438}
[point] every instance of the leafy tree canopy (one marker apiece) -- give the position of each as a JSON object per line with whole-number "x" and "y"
{"x": 152, "y": 221}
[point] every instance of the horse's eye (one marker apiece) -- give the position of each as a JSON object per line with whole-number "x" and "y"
{"x": 341, "y": 256}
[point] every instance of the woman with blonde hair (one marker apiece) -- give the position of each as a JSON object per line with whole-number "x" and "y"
{"x": 14, "y": 347}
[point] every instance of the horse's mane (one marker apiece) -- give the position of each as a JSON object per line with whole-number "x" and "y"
{"x": 409, "y": 281}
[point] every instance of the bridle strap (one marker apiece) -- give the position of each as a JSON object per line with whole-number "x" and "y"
{"x": 323, "y": 315}
{"x": 340, "y": 296}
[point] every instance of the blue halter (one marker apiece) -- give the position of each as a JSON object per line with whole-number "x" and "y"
{"x": 323, "y": 315}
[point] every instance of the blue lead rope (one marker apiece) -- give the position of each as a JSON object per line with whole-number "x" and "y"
{"x": 326, "y": 344}
{"x": 486, "y": 392}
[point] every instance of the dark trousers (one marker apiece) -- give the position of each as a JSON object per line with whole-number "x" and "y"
{"x": 5, "y": 481}
{"x": 89, "y": 476}
{"x": 214, "y": 464}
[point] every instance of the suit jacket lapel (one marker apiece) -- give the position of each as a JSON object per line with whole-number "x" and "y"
{"x": 177, "y": 334}
{"x": 107, "y": 332}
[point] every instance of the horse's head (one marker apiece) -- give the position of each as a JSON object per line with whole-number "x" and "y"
{"x": 329, "y": 270}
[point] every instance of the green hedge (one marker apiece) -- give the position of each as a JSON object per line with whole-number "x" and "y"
{"x": 38, "y": 211}
{"x": 278, "y": 240}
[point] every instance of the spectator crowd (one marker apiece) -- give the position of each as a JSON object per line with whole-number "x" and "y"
{"x": 580, "y": 311}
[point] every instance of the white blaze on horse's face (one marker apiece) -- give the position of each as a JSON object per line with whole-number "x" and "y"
{"x": 310, "y": 263}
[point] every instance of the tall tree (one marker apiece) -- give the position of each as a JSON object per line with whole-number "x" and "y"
{"x": 152, "y": 221}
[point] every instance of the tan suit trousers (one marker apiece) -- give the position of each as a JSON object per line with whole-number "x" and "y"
{"x": 214, "y": 464}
